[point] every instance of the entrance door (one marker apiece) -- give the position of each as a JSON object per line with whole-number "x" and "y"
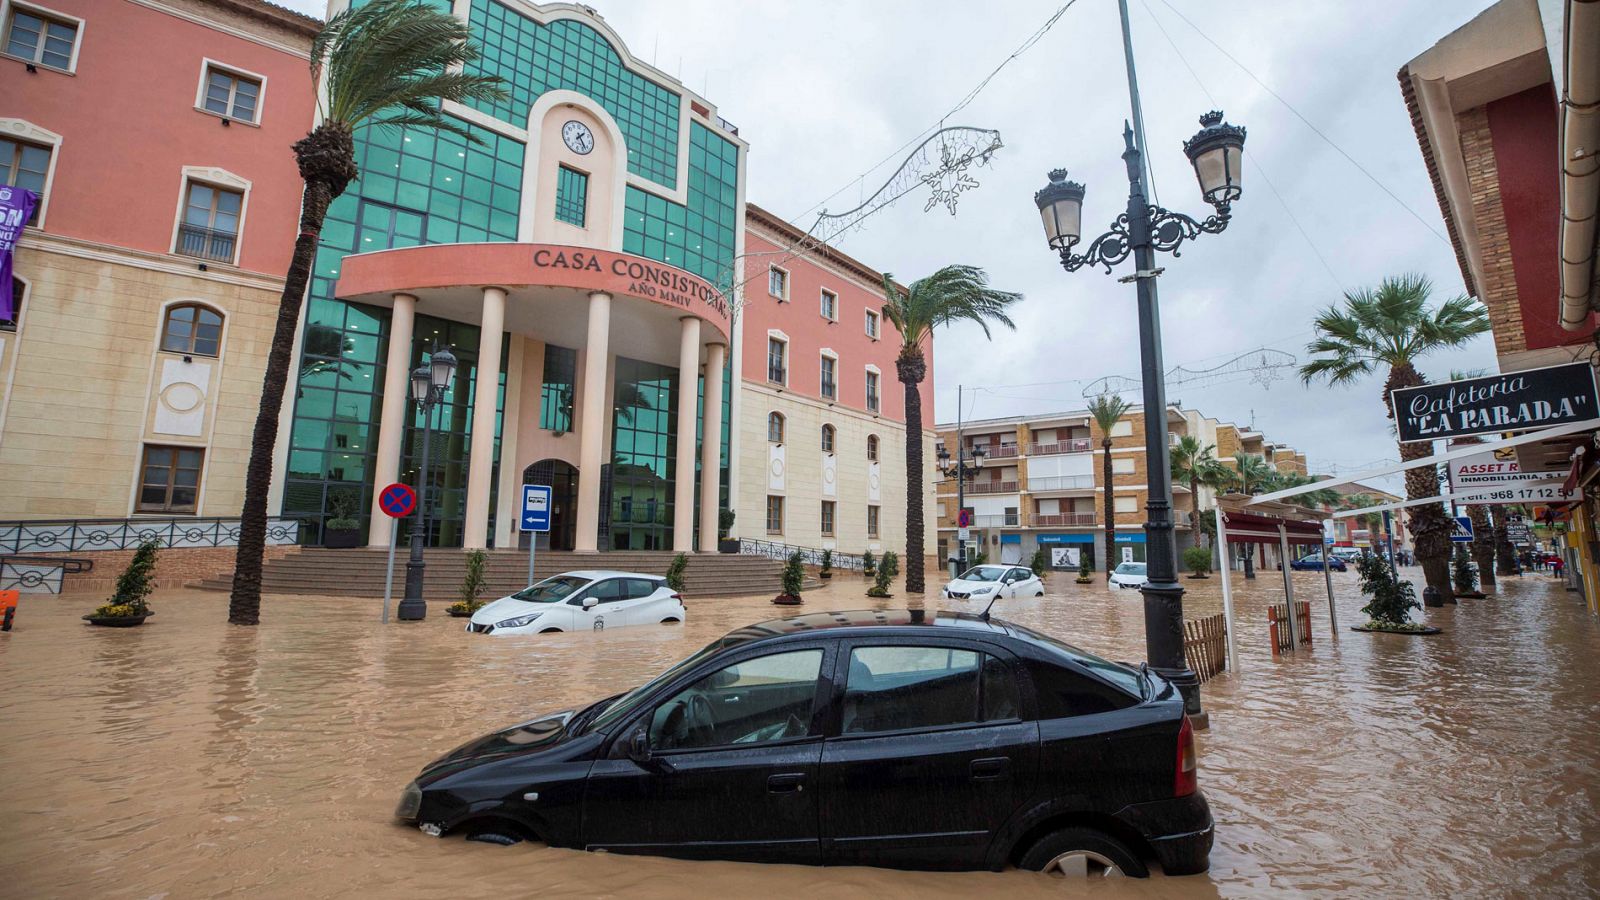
{"x": 562, "y": 479}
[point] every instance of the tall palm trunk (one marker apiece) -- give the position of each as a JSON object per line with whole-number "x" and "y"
{"x": 1505, "y": 557}
{"x": 1430, "y": 527}
{"x": 1482, "y": 546}
{"x": 326, "y": 158}
{"x": 911, "y": 368}
{"x": 1194, "y": 509}
{"x": 1110, "y": 505}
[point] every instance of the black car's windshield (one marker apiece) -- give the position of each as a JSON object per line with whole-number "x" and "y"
{"x": 1118, "y": 674}
{"x": 983, "y": 573}
{"x": 551, "y": 590}
{"x": 631, "y": 700}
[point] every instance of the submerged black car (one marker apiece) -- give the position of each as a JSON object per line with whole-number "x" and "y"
{"x": 886, "y": 738}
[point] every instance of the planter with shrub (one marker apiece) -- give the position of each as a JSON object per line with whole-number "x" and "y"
{"x": 1039, "y": 563}
{"x": 724, "y": 526}
{"x": 1389, "y": 609}
{"x": 675, "y": 572}
{"x": 869, "y": 566}
{"x": 827, "y": 565}
{"x": 1083, "y": 569}
{"x": 471, "y": 586}
{"x": 885, "y": 576}
{"x": 1197, "y": 560}
{"x": 1463, "y": 577}
{"x": 342, "y": 529}
{"x": 127, "y": 607}
{"x": 794, "y": 578}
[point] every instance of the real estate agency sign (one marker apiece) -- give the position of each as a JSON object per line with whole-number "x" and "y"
{"x": 1495, "y": 477}
{"x": 1515, "y": 401}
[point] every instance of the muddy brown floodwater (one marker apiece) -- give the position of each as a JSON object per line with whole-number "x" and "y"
{"x": 189, "y": 758}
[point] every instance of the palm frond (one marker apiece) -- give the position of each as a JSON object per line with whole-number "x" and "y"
{"x": 952, "y": 294}
{"x": 1107, "y": 410}
{"x": 1388, "y": 326}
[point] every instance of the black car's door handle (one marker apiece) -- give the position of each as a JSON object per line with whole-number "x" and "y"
{"x": 990, "y": 768}
{"x": 788, "y": 783}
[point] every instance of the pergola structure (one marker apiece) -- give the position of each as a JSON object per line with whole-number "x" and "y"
{"x": 1241, "y": 521}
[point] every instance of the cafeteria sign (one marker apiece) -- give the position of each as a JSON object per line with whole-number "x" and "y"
{"x": 1515, "y": 401}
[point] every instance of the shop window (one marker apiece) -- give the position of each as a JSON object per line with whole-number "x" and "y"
{"x": 827, "y": 518}
{"x": 231, "y": 93}
{"x": 775, "y": 428}
{"x": 42, "y": 38}
{"x": 572, "y": 196}
{"x": 210, "y": 225}
{"x": 774, "y": 515}
{"x": 828, "y": 435}
{"x": 170, "y": 480}
{"x": 192, "y": 329}
{"x": 26, "y": 166}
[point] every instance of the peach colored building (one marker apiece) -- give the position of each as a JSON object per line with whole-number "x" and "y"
{"x": 155, "y": 133}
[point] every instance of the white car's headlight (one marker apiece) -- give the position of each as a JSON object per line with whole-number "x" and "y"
{"x": 982, "y": 590}
{"x": 519, "y": 621}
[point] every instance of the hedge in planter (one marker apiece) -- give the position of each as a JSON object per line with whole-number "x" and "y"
{"x": 1039, "y": 562}
{"x": 1083, "y": 569}
{"x": 1197, "y": 560}
{"x": 127, "y": 606}
{"x": 794, "y": 579}
{"x": 675, "y": 571}
{"x": 827, "y": 565}
{"x": 342, "y": 529}
{"x": 1391, "y": 599}
{"x": 471, "y": 586}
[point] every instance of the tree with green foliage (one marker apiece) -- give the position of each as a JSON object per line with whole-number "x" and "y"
{"x": 1085, "y": 567}
{"x": 1040, "y": 562}
{"x": 1463, "y": 578}
{"x": 1197, "y": 560}
{"x": 868, "y": 564}
{"x": 384, "y": 63}
{"x": 1107, "y": 410}
{"x": 675, "y": 571}
{"x": 794, "y": 576}
{"x": 1391, "y": 328}
{"x": 1252, "y": 474}
{"x": 826, "y": 569}
{"x": 952, "y": 294}
{"x": 889, "y": 567}
{"x": 1391, "y": 600}
{"x": 472, "y": 584}
{"x": 1196, "y": 465}
{"x": 885, "y": 577}
{"x": 134, "y": 584}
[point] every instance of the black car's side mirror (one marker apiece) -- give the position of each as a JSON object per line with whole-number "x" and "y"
{"x": 638, "y": 746}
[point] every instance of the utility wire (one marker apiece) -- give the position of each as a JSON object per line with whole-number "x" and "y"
{"x": 1319, "y": 133}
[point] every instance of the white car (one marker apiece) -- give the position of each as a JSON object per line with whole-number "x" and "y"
{"x": 1129, "y": 575}
{"x": 990, "y": 582}
{"x": 581, "y": 601}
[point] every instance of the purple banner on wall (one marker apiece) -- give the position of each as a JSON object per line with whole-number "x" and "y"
{"x": 16, "y": 205}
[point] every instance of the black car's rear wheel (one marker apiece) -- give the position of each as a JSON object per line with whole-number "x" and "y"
{"x": 1082, "y": 852}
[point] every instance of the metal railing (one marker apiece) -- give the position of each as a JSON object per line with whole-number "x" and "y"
{"x": 1073, "y": 445}
{"x": 1004, "y": 520}
{"x": 992, "y": 487}
{"x": 39, "y": 574}
{"x": 808, "y": 555}
{"x": 1062, "y": 519}
{"x": 1060, "y": 483}
{"x": 74, "y": 535}
{"x": 206, "y": 243}
{"x": 997, "y": 451}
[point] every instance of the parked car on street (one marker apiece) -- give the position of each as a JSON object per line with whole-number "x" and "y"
{"x": 990, "y": 582}
{"x": 877, "y": 737}
{"x": 1348, "y": 554}
{"x": 589, "y": 600}
{"x": 1314, "y": 561}
{"x": 1129, "y": 575}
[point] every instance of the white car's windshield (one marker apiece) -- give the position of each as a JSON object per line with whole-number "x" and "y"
{"x": 1130, "y": 569}
{"x": 983, "y": 573}
{"x": 551, "y": 590}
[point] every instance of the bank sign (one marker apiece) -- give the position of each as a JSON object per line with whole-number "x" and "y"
{"x": 1496, "y": 477}
{"x": 1516, "y": 401}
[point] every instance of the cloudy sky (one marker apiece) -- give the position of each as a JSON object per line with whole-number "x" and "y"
{"x": 826, "y": 89}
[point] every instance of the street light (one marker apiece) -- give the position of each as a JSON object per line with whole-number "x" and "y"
{"x": 1215, "y": 153}
{"x": 429, "y": 383}
{"x": 961, "y": 470}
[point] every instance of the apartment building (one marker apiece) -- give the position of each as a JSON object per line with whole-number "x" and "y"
{"x": 1042, "y": 483}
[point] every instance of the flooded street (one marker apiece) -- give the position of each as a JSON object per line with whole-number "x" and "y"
{"x": 189, "y": 758}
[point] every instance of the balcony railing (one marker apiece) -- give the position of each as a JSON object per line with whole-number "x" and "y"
{"x": 206, "y": 243}
{"x": 1073, "y": 445}
{"x": 1004, "y": 520}
{"x": 992, "y": 487}
{"x": 1061, "y": 519}
{"x": 997, "y": 451}
{"x": 1061, "y": 483}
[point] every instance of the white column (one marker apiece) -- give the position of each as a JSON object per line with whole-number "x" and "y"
{"x": 480, "y": 464}
{"x": 688, "y": 385}
{"x": 396, "y": 409}
{"x": 711, "y": 448}
{"x": 508, "y": 509}
{"x": 592, "y": 430}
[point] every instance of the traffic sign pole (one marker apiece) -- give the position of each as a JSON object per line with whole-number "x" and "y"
{"x": 397, "y": 501}
{"x": 533, "y": 545}
{"x": 535, "y": 518}
{"x": 388, "y": 577}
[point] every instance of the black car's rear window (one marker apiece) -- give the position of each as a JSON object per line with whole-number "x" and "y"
{"x": 1118, "y": 674}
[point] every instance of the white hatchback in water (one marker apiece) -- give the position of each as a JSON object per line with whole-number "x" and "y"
{"x": 582, "y": 601}
{"x": 1129, "y": 575}
{"x": 990, "y": 582}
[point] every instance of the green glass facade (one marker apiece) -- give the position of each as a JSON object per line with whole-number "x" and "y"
{"x": 423, "y": 187}
{"x": 572, "y": 196}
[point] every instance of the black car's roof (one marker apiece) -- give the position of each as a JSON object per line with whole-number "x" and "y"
{"x": 863, "y": 619}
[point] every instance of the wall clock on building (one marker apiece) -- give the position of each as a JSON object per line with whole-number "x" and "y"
{"x": 578, "y": 137}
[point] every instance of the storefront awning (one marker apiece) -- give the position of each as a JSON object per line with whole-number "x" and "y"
{"x": 1249, "y": 528}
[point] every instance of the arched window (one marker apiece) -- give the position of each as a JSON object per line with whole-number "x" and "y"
{"x": 872, "y": 448}
{"x": 827, "y": 438}
{"x": 193, "y": 329}
{"x": 775, "y": 428}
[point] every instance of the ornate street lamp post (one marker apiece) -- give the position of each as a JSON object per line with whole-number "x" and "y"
{"x": 1215, "y": 152}
{"x": 429, "y": 382}
{"x": 962, "y": 469}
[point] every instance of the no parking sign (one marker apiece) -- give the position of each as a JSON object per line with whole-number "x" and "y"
{"x": 397, "y": 500}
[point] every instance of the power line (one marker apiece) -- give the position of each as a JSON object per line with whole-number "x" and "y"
{"x": 1319, "y": 133}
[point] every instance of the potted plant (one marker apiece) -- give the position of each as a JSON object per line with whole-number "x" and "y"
{"x": 885, "y": 576}
{"x": 1197, "y": 560}
{"x": 471, "y": 586}
{"x": 127, "y": 607}
{"x": 1464, "y": 577}
{"x": 342, "y": 529}
{"x": 868, "y": 565}
{"x": 724, "y": 526}
{"x": 1391, "y": 601}
{"x": 1039, "y": 563}
{"x": 794, "y": 577}
{"x": 675, "y": 572}
{"x": 1083, "y": 569}
{"x": 827, "y": 565}
{"x": 890, "y": 564}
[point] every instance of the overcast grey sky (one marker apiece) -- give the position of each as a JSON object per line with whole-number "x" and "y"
{"x": 825, "y": 89}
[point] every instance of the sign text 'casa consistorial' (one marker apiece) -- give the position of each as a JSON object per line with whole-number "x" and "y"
{"x": 1515, "y": 401}
{"x": 646, "y": 278}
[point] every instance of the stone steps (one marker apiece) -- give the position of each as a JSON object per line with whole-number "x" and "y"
{"x": 359, "y": 572}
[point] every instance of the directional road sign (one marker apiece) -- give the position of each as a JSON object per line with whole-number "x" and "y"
{"x": 1462, "y": 532}
{"x": 397, "y": 500}
{"x": 536, "y": 507}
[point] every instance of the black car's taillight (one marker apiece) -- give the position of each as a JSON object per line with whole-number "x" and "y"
{"x": 1187, "y": 779}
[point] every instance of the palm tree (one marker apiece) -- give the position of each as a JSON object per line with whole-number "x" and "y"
{"x": 1252, "y": 474}
{"x": 1196, "y": 465}
{"x": 1107, "y": 410}
{"x": 1370, "y": 522}
{"x": 1393, "y": 327}
{"x": 1319, "y": 499}
{"x": 385, "y": 63}
{"x": 952, "y": 294}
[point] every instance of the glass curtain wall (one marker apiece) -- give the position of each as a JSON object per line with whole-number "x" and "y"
{"x": 643, "y": 462}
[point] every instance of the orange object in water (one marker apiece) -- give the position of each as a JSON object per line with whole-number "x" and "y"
{"x": 8, "y": 608}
